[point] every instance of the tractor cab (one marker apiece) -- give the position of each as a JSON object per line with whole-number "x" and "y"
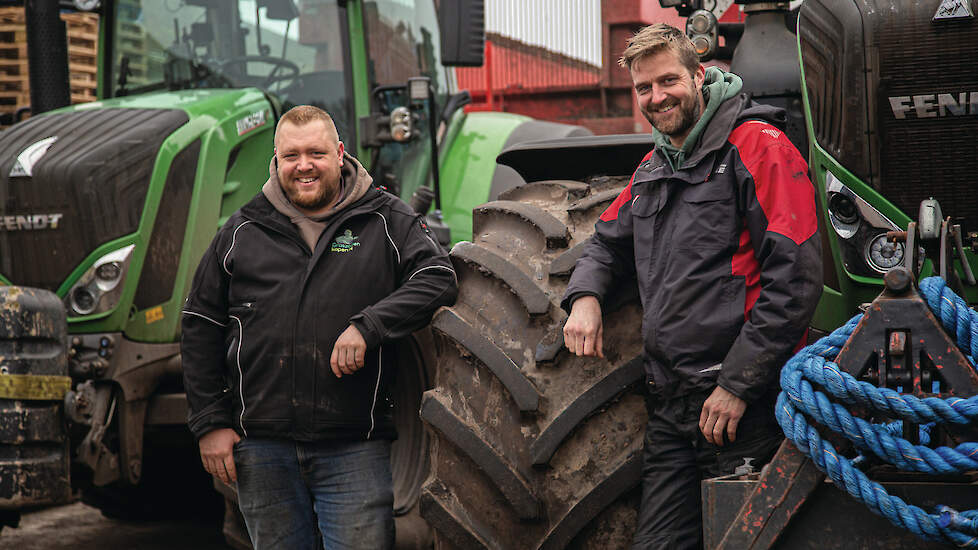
{"x": 296, "y": 53}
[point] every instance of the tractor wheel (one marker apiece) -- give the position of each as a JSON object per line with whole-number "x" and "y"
{"x": 533, "y": 447}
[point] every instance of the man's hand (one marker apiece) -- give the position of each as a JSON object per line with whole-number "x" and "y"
{"x": 722, "y": 411}
{"x": 583, "y": 329}
{"x": 348, "y": 352}
{"x": 216, "y": 453}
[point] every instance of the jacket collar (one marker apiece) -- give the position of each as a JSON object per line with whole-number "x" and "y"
{"x": 260, "y": 210}
{"x": 713, "y": 138}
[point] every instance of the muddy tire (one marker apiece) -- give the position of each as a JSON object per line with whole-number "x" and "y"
{"x": 532, "y": 447}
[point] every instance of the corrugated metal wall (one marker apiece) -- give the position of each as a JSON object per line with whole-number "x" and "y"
{"x": 569, "y": 27}
{"x": 538, "y": 44}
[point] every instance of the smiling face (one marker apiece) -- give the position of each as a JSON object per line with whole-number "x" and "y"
{"x": 668, "y": 95}
{"x": 309, "y": 159}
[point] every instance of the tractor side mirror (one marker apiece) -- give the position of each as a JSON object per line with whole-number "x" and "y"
{"x": 281, "y": 10}
{"x": 463, "y": 32}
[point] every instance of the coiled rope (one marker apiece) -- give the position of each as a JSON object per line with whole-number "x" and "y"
{"x": 799, "y": 400}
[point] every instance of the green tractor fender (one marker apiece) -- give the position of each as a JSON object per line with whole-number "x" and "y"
{"x": 470, "y": 175}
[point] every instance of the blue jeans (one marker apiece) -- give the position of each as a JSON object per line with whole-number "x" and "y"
{"x": 286, "y": 488}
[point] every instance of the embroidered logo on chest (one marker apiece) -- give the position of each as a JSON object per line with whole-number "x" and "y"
{"x": 345, "y": 242}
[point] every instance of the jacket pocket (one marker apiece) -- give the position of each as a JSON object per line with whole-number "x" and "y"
{"x": 697, "y": 323}
{"x": 709, "y": 220}
{"x": 645, "y": 212}
{"x": 238, "y": 317}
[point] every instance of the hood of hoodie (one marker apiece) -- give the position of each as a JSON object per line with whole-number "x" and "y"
{"x": 351, "y": 171}
{"x": 354, "y": 184}
{"x": 718, "y": 87}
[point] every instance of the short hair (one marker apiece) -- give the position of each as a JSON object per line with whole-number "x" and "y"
{"x": 304, "y": 114}
{"x": 656, "y": 38}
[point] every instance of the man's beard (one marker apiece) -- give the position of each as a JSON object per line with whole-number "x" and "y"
{"x": 689, "y": 113}
{"x": 323, "y": 196}
{"x": 314, "y": 202}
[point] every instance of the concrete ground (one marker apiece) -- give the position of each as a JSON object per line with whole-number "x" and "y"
{"x": 80, "y": 527}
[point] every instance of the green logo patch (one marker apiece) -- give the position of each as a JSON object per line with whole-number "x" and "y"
{"x": 345, "y": 242}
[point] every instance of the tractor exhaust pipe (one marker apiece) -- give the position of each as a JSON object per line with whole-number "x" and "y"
{"x": 47, "y": 54}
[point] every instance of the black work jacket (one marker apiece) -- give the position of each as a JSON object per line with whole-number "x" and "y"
{"x": 726, "y": 253}
{"x": 264, "y": 312}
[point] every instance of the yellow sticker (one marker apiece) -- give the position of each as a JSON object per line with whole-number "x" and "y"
{"x": 34, "y": 387}
{"x": 154, "y": 315}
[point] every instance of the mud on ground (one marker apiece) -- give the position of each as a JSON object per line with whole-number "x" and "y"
{"x": 80, "y": 527}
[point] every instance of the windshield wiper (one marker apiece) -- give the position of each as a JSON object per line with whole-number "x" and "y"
{"x": 124, "y": 73}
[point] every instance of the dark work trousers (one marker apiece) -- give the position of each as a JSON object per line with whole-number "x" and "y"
{"x": 677, "y": 457}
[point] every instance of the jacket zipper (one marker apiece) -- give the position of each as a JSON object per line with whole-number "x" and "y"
{"x": 311, "y": 254}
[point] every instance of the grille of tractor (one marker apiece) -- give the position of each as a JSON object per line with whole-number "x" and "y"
{"x": 96, "y": 175}
{"x": 858, "y": 56}
{"x": 937, "y": 156}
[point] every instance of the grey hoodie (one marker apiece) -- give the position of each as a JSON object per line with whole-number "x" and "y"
{"x": 312, "y": 227}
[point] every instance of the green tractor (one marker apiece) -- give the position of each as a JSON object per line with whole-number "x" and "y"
{"x": 106, "y": 208}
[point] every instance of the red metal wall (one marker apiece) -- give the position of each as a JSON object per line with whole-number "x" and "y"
{"x": 513, "y": 65}
{"x": 532, "y": 80}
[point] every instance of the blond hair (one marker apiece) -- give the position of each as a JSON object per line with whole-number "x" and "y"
{"x": 304, "y": 114}
{"x": 656, "y": 38}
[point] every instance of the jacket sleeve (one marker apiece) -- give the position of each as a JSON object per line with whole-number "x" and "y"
{"x": 204, "y": 324}
{"x": 427, "y": 281}
{"x": 781, "y": 220}
{"x": 609, "y": 255}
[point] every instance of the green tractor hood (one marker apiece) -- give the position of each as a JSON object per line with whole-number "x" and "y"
{"x": 110, "y": 204}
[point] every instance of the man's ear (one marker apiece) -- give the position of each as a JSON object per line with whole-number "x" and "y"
{"x": 339, "y": 149}
{"x": 699, "y": 77}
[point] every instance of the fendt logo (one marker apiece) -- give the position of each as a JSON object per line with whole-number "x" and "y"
{"x": 30, "y": 222}
{"x": 934, "y": 105}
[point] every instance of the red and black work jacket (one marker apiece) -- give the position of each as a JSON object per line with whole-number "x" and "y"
{"x": 726, "y": 252}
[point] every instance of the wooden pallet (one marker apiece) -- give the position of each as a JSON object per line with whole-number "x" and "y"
{"x": 82, "y": 58}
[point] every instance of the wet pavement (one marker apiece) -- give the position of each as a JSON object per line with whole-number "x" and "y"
{"x": 80, "y": 527}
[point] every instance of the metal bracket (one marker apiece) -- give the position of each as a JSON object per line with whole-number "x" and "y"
{"x": 897, "y": 342}
{"x": 92, "y": 451}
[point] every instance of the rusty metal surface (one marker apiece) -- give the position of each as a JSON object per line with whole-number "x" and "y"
{"x": 771, "y": 503}
{"x": 830, "y": 519}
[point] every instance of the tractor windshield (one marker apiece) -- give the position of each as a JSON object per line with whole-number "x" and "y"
{"x": 292, "y": 49}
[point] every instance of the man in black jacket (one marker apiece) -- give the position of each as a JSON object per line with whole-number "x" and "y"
{"x": 286, "y": 342}
{"x": 719, "y": 225}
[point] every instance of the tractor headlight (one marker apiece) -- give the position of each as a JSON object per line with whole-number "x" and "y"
{"x": 402, "y": 124}
{"x": 99, "y": 288}
{"x": 861, "y": 231}
{"x": 883, "y": 255}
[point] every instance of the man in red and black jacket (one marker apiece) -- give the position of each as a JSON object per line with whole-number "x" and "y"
{"x": 719, "y": 225}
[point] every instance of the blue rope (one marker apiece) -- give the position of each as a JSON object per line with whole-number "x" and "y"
{"x": 799, "y": 400}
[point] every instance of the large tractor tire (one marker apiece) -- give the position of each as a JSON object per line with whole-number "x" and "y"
{"x": 533, "y": 447}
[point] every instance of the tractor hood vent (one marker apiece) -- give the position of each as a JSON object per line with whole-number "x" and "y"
{"x": 893, "y": 95}
{"x": 72, "y": 181}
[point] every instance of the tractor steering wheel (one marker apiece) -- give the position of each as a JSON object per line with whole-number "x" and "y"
{"x": 267, "y": 81}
